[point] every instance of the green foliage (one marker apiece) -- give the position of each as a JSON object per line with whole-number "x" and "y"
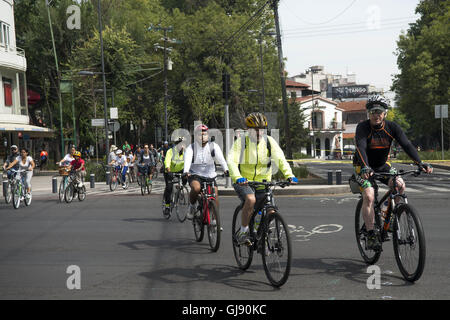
{"x": 300, "y": 172}
{"x": 426, "y": 155}
{"x": 299, "y": 134}
{"x": 423, "y": 61}
{"x": 396, "y": 115}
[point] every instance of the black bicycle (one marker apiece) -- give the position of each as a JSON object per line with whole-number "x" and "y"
{"x": 271, "y": 238}
{"x": 400, "y": 219}
{"x": 179, "y": 199}
{"x": 74, "y": 188}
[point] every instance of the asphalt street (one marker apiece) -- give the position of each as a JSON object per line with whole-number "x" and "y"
{"x": 124, "y": 249}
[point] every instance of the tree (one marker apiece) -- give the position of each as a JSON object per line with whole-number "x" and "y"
{"x": 423, "y": 61}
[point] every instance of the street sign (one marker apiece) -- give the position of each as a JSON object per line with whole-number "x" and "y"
{"x": 98, "y": 122}
{"x": 113, "y": 113}
{"x": 114, "y": 126}
{"x": 437, "y": 111}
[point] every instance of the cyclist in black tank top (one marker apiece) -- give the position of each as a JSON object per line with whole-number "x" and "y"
{"x": 373, "y": 140}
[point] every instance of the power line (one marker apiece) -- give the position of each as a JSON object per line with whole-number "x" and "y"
{"x": 325, "y": 22}
{"x": 351, "y": 24}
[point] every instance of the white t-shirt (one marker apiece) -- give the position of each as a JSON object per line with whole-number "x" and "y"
{"x": 27, "y": 164}
{"x": 67, "y": 160}
{"x": 121, "y": 161}
{"x": 203, "y": 165}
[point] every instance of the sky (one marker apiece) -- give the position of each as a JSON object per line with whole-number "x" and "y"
{"x": 356, "y": 36}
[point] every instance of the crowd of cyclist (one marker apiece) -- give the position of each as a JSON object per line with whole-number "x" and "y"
{"x": 249, "y": 159}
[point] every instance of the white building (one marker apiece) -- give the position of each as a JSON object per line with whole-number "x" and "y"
{"x": 14, "y": 120}
{"x": 326, "y": 126}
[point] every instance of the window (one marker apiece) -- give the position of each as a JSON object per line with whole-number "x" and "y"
{"x": 7, "y": 89}
{"x": 317, "y": 120}
{"x": 4, "y": 34}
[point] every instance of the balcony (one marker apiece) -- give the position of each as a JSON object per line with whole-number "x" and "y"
{"x": 332, "y": 126}
{"x": 12, "y": 57}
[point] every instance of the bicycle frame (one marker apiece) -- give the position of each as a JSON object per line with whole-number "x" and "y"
{"x": 207, "y": 194}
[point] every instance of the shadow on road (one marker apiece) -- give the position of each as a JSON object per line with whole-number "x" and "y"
{"x": 213, "y": 273}
{"x": 351, "y": 269}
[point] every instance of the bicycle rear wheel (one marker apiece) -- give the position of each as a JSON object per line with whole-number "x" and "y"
{"x": 409, "y": 242}
{"x": 8, "y": 193}
{"x": 214, "y": 227}
{"x": 242, "y": 253}
{"x": 369, "y": 256}
{"x": 28, "y": 197}
{"x": 82, "y": 193}
{"x": 276, "y": 249}
{"x": 142, "y": 183}
{"x": 182, "y": 204}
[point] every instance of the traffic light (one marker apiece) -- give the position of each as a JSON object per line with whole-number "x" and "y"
{"x": 226, "y": 86}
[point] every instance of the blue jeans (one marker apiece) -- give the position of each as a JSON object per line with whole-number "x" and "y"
{"x": 124, "y": 170}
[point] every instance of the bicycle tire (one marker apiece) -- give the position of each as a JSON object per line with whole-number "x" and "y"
{"x": 199, "y": 227}
{"x": 142, "y": 183}
{"x": 68, "y": 193}
{"x": 61, "y": 190}
{"x": 407, "y": 211}
{"x": 113, "y": 182}
{"x": 149, "y": 187}
{"x": 16, "y": 197}
{"x": 182, "y": 204}
{"x": 214, "y": 230}
{"x": 243, "y": 254}
{"x": 27, "y": 201}
{"x": 277, "y": 249}
{"x": 82, "y": 193}
{"x": 369, "y": 256}
{"x": 8, "y": 193}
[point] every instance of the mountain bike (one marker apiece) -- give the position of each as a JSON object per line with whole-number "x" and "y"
{"x": 73, "y": 188}
{"x": 18, "y": 189}
{"x": 207, "y": 214}
{"x": 144, "y": 179}
{"x": 271, "y": 238}
{"x": 116, "y": 178}
{"x": 402, "y": 220}
{"x": 179, "y": 199}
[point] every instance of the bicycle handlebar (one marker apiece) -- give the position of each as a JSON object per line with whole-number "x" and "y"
{"x": 415, "y": 172}
{"x": 281, "y": 184}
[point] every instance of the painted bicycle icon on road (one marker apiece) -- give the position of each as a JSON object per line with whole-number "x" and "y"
{"x": 301, "y": 234}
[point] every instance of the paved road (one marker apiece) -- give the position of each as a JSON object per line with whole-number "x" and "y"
{"x": 125, "y": 250}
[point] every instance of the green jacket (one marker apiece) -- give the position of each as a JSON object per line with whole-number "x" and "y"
{"x": 253, "y": 163}
{"x": 174, "y": 160}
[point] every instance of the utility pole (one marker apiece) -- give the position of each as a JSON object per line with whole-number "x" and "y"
{"x": 59, "y": 78}
{"x": 262, "y": 73}
{"x": 104, "y": 81}
{"x": 165, "y": 86}
{"x": 283, "y": 82}
{"x": 226, "y": 94}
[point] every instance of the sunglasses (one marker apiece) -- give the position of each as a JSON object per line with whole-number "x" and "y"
{"x": 376, "y": 112}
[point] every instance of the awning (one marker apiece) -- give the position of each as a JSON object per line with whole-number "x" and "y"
{"x": 27, "y": 130}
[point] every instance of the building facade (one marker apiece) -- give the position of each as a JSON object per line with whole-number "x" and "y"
{"x": 15, "y": 125}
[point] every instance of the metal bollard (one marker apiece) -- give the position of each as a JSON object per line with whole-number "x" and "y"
{"x": 108, "y": 176}
{"x": 92, "y": 181}
{"x": 5, "y": 186}
{"x": 330, "y": 177}
{"x": 338, "y": 177}
{"x": 54, "y": 185}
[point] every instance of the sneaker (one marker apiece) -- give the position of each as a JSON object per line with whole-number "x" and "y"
{"x": 167, "y": 211}
{"x": 191, "y": 211}
{"x": 244, "y": 238}
{"x": 373, "y": 243}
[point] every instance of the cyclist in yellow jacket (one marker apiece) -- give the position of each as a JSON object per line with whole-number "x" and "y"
{"x": 173, "y": 163}
{"x": 250, "y": 159}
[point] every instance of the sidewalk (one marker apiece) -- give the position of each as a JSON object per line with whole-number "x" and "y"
{"x": 42, "y": 185}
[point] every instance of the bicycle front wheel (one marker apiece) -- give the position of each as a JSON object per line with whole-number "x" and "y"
{"x": 409, "y": 242}
{"x": 113, "y": 182}
{"x": 82, "y": 193}
{"x": 68, "y": 193}
{"x": 276, "y": 249}
{"x": 16, "y": 194}
{"x": 369, "y": 256}
{"x": 62, "y": 186}
{"x": 142, "y": 183}
{"x": 214, "y": 226}
{"x": 242, "y": 252}
{"x": 199, "y": 227}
